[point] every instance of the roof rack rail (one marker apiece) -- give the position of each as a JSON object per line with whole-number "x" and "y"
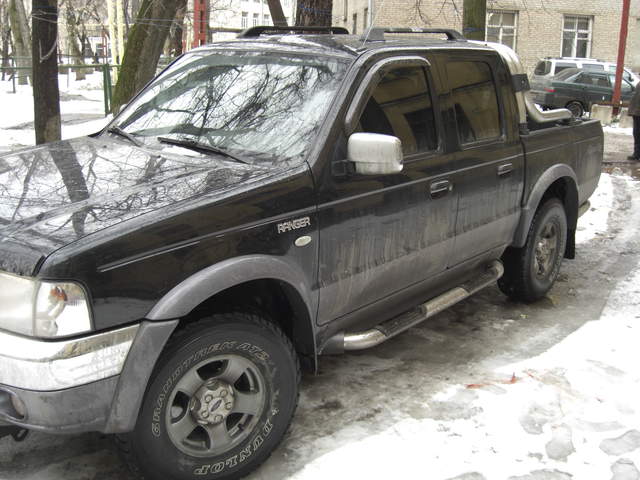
{"x": 274, "y": 30}
{"x": 376, "y": 34}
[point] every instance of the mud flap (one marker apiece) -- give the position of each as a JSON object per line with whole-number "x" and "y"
{"x": 18, "y": 433}
{"x": 570, "y": 249}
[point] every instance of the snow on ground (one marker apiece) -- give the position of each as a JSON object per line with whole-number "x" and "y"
{"x": 572, "y": 411}
{"x": 594, "y": 221}
{"x": 81, "y": 107}
{"x": 617, "y": 130}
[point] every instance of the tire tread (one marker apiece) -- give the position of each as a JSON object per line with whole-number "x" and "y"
{"x": 123, "y": 442}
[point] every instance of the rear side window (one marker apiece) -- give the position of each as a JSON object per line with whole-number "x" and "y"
{"x": 563, "y": 66}
{"x": 596, "y": 67}
{"x": 584, "y": 79}
{"x": 401, "y": 106}
{"x": 542, "y": 68}
{"x": 625, "y": 86}
{"x": 475, "y": 101}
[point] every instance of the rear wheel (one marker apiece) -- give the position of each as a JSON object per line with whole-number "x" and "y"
{"x": 576, "y": 109}
{"x": 220, "y": 401}
{"x": 530, "y": 271}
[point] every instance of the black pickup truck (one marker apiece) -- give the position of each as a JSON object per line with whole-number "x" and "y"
{"x": 264, "y": 201}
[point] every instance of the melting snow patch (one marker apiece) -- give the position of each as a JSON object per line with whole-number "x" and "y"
{"x": 594, "y": 221}
{"x": 570, "y": 411}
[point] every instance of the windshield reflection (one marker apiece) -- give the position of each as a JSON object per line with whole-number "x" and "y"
{"x": 261, "y": 106}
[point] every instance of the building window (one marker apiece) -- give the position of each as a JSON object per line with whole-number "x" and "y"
{"x": 256, "y": 19}
{"x": 267, "y": 19}
{"x": 576, "y": 36}
{"x": 355, "y": 24}
{"x": 245, "y": 20}
{"x": 502, "y": 28}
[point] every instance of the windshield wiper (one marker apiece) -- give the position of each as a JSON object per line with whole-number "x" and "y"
{"x": 193, "y": 145}
{"x": 118, "y": 131}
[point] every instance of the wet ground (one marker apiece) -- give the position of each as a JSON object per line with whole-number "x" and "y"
{"x": 365, "y": 415}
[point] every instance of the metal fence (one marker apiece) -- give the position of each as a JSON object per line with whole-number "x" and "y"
{"x": 16, "y": 73}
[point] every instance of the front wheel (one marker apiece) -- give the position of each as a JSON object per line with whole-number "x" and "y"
{"x": 220, "y": 401}
{"x": 530, "y": 271}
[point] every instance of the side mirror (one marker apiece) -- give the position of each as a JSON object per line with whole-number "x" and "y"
{"x": 375, "y": 154}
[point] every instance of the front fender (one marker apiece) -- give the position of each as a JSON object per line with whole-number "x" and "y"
{"x": 190, "y": 293}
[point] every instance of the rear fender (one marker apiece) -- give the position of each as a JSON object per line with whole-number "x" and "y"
{"x": 557, "y": 172}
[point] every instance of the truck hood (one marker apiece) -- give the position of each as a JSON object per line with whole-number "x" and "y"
{"x": 58, "y": 193}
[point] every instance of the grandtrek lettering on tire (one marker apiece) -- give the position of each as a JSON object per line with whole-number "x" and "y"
{"x": 223, "y": 412}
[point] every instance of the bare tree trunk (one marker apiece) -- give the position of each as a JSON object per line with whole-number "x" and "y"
{"x": 120, "y": 27}
{"x": 474, "y": 18}
{"x": 46, "y": 95}
{"x": 277, "y": 14}
{"x": 72, "y": 32}
{"x": 144, "y": 46}
{"x": 5, "y": 37}
{"x": 314, "y": 12}
{"x": 177, "y": 30}
{"x": 21, "y": 38}
{"x": 113, "y": 32}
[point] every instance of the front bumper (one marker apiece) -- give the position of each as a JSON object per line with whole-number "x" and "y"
{"x": 94, "y": 383}
{"x": 32, "y": 364}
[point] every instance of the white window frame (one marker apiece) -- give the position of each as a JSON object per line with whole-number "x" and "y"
{"x": 256, "y": 20}
{"x": 589, "y": 31}
{"x": 501, "y": 27}
{"x": 244, "y": 20}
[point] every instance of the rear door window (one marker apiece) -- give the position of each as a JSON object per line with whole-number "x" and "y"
{"x": 475, "y": 101}
{"x": 583, "y": 79}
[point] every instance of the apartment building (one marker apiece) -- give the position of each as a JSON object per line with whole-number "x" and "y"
{"x": 241, "y": 14}
{"x": 534, "y": 28}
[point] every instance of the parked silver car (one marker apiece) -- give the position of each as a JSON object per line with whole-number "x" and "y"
{"x": 550, "y": 67}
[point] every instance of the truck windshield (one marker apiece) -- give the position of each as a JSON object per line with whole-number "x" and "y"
{"x": 257, "y": 105}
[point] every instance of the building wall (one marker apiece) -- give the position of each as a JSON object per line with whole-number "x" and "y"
{"x": 229, "y": 14}
{"x": 539, "y": 22}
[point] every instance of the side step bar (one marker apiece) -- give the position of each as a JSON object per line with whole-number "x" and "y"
{"x": 391, "y": 328}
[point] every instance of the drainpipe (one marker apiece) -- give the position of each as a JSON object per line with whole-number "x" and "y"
{"x": 622, "y": 45}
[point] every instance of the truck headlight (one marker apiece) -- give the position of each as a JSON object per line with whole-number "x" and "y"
{"x": 42, "y": 309}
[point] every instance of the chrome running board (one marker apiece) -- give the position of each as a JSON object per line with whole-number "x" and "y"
{"x": 391, "y": 328}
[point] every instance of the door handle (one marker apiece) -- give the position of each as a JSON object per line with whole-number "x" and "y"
{"x": 505, "y": 169}
{"x": 440, "y": 188}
